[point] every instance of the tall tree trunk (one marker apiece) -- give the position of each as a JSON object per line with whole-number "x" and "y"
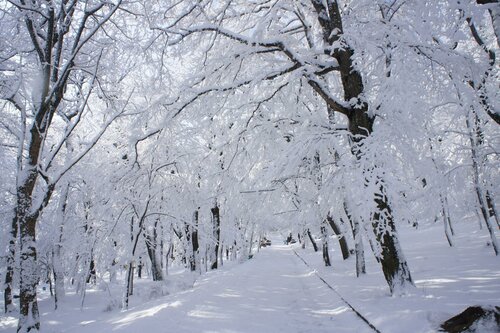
{"x": 476, "y": 174}
{"x": 216, "y": 233}
{"x": 9, "y": 274}
{"x": 194, "y": 242}
{"x": 394, "y": 266}
{"x": 47, "y": 30}
{"x": 29, "y": 318}
{"x": 151, "y": 246}
{"x": 340, "y": 236}
{"x": 492, "y": 207}
{"x": 250, "y": 245}
{"x": 221, "y": 254}
{"x": 162, "y": 249}
{"x": 315, "y": 246}
{"x": 91, "y": 277}
{"x": 446, "y": 221}
{"x": 324, "y": 242}
{"x": 360, "y": 125}
{"x": 140, "y": 265}
{"x": 302, "y": 239}
{"x": 448, "y": 227}
{"x": 167, "y": 256}
{"x": 186, "y": 244}
{"x": 58, "y": 272}
{"x": 359, "y": 250}
{"x": 129, "y": 281}
{"x": 57, "y": 268}
{"x": 27, "y": 215}
{"x": 129, "y": 290}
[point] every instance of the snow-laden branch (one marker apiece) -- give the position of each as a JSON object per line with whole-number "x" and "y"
{"x": 70, "y": 128}
{"x": 51, "y": 183}
{"x": 268, "y": 76}
{"x": 330, "y": 100}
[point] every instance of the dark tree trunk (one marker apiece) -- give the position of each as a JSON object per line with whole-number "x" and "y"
{"x": 91, "y": 277}
{"x": 9, "y": 274}
{"x": 129, "y": 291}
{"x": 360, "y": 124}
{"x": 340, "y": 236}
{"x": 152, "y": 248}
{"x": 194, "y": 242}
{"x": 167, "y": 257}
{"x": 221, "y": 254}
{"x": 26, "y": 214}
{"x": 139, "y": 268}
{"x": 29, "y": 318}
{"x": 186, "y": 242}
{"x": 492, "y": 208}
{"x": 129, "y": 287}
{"x": 474, "y": 138}
{"x": 446, "y": 222}
{"x": 324, "y": 236}
{"x": 315, "y": 246}
{"x": 49, "y": 280}
{"x": 394, "y": 266}
{"x": 216, "y": 233}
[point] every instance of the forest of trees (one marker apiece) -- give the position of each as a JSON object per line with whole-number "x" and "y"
{"x": 151, "y": 133}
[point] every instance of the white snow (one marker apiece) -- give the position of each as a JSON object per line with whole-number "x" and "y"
{"x": 276, "y": 292}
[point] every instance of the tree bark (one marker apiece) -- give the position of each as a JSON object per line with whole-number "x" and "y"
{"x": 359, "y": 250}
{"x": 152, "y": 249}
{"x": 216, "y": 233}
{"x": 140, "y": 265}
{"x": 324, "y": 242}
{"x": 446, "y": 221}
{"x": 492, "y": 207}
{"x": 91, "y": 277}
{"x": 480, "y": 193}
{"x": 9, "y": 274}
{"x": 129, "y": 287}
{"x": 167, "y": 256}
{"x": 342, "y": 241}
{"x": 57, "y": 268}
{"x": 360, "y": 125}
{"x": 194, "y": 242}
{"x": 29, "y": 318}
{"x": 129, "y": 290}
{"x": 394, "y": 266}
{"x": 47, "y": 31}
{"x": 315, "y": 246}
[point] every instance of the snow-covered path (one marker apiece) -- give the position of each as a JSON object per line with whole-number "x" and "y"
{"x": 274, "y": 292}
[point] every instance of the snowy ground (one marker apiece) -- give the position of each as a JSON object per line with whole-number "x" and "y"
{"x": 277, "y": 292}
